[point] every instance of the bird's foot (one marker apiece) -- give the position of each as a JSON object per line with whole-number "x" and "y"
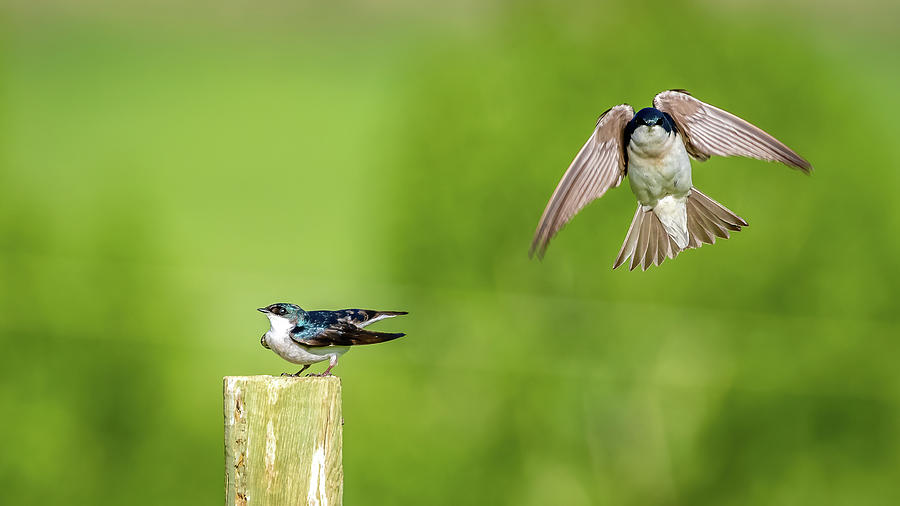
{"x": 296, "y": 374}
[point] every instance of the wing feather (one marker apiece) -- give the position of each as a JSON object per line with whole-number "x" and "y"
{"x": 343, "y": 334}
{"x": 708, "y": 131}
{"x": 343, "y": 327}
{"x": 598, "y": 166}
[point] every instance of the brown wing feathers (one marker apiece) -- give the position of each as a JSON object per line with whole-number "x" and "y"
{"x": 599, "y": 166}
{"x": 708, "y": 130}
{"x": 349, "y": 335}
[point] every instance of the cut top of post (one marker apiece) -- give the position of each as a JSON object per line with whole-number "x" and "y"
{"x": 283, "y": 440}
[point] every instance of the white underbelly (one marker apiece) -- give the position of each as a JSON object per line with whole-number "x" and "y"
{"x": 297, "y": 353}
{"x": 652, "y": 178}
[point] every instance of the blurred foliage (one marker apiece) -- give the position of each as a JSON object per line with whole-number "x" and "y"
{"x": 167, "y": 168}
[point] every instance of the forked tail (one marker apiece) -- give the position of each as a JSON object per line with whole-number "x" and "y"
{"x": 647, "y": 242}
{"x": 708, "y": 219}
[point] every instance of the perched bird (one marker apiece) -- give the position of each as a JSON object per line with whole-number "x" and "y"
{"x": 307, "y": 337}
{"x": 654, "y": 148}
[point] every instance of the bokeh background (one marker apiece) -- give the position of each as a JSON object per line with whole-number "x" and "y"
{"x": 167, "y": 167}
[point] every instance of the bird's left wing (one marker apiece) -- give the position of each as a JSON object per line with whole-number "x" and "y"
{"x": 708, "y": 130}
{"x": 340, "y": 334}
{"x": 599, "y": 166}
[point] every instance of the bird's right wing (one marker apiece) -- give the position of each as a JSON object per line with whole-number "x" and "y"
{"x": 599, "y": 166}
{"x": 708, "y": 130}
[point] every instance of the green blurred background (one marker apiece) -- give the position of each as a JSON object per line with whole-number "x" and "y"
{"x": 165, "y": 168}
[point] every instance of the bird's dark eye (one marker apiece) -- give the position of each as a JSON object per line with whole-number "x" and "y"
{"x": 277, "y": 310}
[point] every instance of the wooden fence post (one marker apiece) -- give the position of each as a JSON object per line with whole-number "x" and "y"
{"x": 283, "y": 441}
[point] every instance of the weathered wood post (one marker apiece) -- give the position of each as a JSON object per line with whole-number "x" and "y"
{"x": 283, "y": 441}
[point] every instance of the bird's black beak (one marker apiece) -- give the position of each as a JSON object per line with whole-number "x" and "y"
{"x": 262, "y": 310}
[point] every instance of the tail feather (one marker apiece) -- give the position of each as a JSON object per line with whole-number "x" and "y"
{"x": 709, "y": 229}
{"x": 663, "y": 247}
{"x": 697, "y": 234}
{"x": 707, "y": 219}
{"x": 652, "y": 247}
{"x": 393, "y": 313}
{"x": 728, "y": 218}
{"x": 630, "y": 243}
{"x": 643, "y": 242}
{"x": 648, "y": 243}
{"x": 717, "y": 226}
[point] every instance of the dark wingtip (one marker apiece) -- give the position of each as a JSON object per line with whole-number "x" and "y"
{"x": 389, "y": 336}
{"x": 537, "y": 250}
{"x": 800, "y": 164}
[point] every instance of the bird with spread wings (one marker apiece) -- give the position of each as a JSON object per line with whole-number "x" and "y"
{"x": 654, "y": 147}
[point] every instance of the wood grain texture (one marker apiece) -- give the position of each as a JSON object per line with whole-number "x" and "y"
{"x": 283, "y": 441}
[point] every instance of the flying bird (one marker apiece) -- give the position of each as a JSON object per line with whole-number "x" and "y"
{"x": 654, "y": 148}
{"x": 308, "y": 337}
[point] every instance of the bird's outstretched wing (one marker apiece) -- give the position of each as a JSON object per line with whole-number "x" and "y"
{"x": 599, "y": 166}
{"x": 708, "y": 130}
{"x": 340, "y": 334}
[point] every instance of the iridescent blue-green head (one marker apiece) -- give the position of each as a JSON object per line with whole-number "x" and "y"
{"x": 649, "y": 128}
{"x": 649, "y": 117}
{"x": 283, "y": 311}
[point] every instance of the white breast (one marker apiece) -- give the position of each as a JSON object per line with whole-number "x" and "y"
{"x": 658, "y": 165}
{"x": 297, "y": 353}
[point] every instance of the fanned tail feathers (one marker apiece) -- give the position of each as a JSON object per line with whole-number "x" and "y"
{"x": 708, "y": 219}
{"x": 647, "y": 242}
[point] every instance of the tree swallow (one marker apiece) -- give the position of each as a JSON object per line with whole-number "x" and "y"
{"x": 654, "y": 148}
{"x": 307, "y": 337}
